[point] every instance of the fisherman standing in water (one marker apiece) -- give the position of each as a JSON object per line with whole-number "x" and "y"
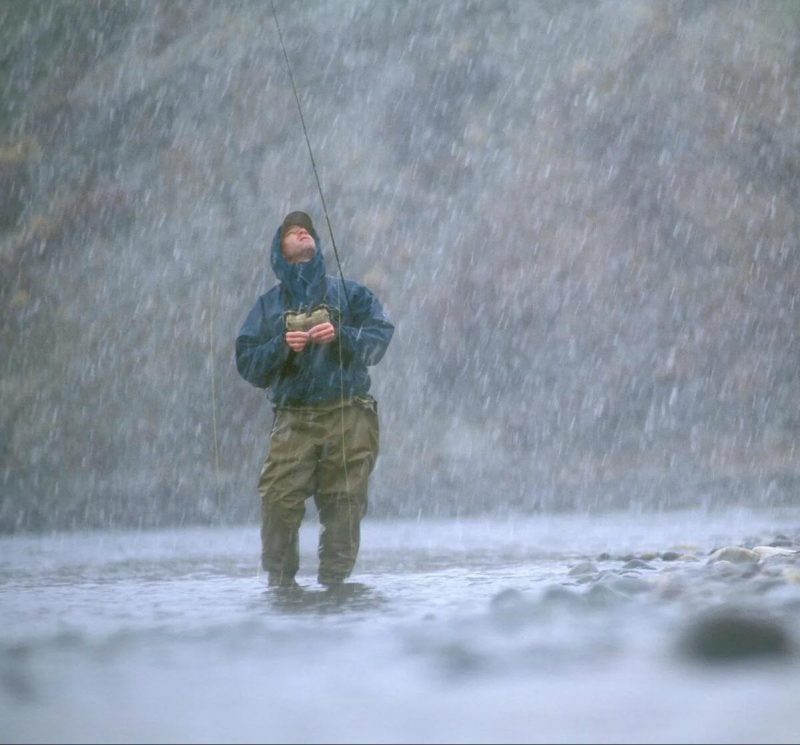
{"x": 308, "y": 341}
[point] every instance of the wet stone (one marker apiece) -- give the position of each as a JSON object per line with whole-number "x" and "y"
{"x": 792, "y": 576}
{"x": 770, "y": 552}
{"x": 584, "y": 567}
{"x": 670, "y": 587}
{"x": 557, "y": 594}
{"x": 670, "y": 556}
{"x": 638, "y": 564}
{"x": 729, "y": 635}
{"x": 762, "y": 585}
{"x": 509, "y": 599}
{"x": 787, "y": 597}
{"x": 778, "y": 562}
{"x": 511, "y": 609}
{"x": 459, "y": 659}
{"x": 725, "y": 568}
{"x": 600, "y": 594}
{"x": 605, "y": 556}
{"x": 734, "y": 554}
{"x": 626, "y": 585}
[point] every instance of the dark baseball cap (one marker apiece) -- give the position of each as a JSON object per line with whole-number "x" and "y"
{"x": 301, "y": 219}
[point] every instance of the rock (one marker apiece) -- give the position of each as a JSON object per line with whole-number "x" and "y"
{"x": 670, "y": 587}
{"x": 648, "y": 556}
{"x": 763, "y": 585}
{"x": 605, "y": 556}
{"x": 584, "y": 567}
{"x": 781, "y": 541}
{"x": 510, "y": 609}
{"x": 792, "y": 575}
{"x": 637, "y": 564}
{"x": 729, "y": 635}
{"x": 786, "y": 598}
{"x": 561, "y": 596}
{"x": 767, "y": 552}
{"x": 508, "y": 600}
{"x": 734, "y": 554}
{"x": 626, "y": 585}
{"x": 726, "y": 568}
{"x": 670, "y": 556}
{"x": 601, "y": 594}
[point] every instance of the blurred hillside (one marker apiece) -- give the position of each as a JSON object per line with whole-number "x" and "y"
{"x": 583, "y": 219}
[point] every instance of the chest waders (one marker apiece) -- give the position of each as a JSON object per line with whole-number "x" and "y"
{"x": 327, "y": 451}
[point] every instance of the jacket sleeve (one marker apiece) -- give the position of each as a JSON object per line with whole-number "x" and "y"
{"x": 259, "y": 354}
{"x": 367, "y": 338}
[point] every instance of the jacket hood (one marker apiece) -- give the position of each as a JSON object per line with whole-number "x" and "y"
{"x": 304, "y": 283}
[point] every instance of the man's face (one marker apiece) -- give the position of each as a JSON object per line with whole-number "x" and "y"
{"x": 298, "y": 245}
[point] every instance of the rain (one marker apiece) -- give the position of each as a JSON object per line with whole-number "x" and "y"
{"x": 582, "y": 218}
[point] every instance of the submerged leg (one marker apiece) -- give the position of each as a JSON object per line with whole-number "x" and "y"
{"x": 340, "y": 535}
{"x": 280, "y": 537}
{"x": 285, "y": 483}
{"x": 349, "y": 455}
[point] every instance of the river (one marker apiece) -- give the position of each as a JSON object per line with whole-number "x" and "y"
{"x": 547, "y": 628}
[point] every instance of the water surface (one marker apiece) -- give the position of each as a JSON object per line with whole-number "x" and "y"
{"x": 453, "y": 630}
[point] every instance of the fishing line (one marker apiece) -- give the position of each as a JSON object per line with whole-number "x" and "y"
{"x": 218, "y": 505}
{"x": 310, "y": 152}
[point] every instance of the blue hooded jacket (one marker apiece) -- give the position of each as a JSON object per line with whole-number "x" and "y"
{"x": 314, "y": 375}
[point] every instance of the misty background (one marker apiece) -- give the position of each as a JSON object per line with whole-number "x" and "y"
{"x": 581, "y": 216}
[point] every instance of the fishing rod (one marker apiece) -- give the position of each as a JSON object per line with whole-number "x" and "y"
{"x": 333, "y": 243}
{"x": 341, "y": 275}
{"x": 310, "y": 153}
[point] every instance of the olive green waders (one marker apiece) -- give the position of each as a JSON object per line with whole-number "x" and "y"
{"x": 327, "y": 451}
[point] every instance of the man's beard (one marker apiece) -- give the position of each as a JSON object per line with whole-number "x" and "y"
{"x": 306, "y": 253}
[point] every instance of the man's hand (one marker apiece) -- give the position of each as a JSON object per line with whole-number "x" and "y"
{"x": 322, "y": 333}
{"x": 297, "y": 340}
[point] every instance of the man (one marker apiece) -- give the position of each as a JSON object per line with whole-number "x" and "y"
{"x": 309, "y": 341}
